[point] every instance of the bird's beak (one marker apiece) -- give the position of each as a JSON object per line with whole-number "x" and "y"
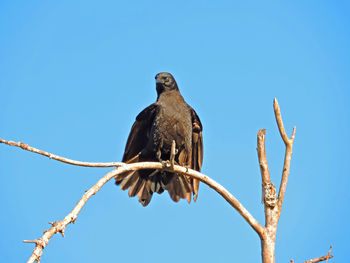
{"x": 159, "y": 81}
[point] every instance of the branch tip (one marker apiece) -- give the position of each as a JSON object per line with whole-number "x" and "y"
{"x": 58, "y": 158}
{"x": 293, "y": 134}
{"x": 329, "y": 253}
{"x": 30, "y": 241}
{"x": 262, "y": 132}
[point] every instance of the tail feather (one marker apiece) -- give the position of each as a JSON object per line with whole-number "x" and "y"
{"x": 135, "y": 187}
{"x": 144, "y": 194}
{"x": 129, "y": 180}
{"x": 173, "y": 194}
{"x": 187, "y": 188}
{"x": 141, "y": 190}
{"x": 146, "y": 182}
{"x": 195, "y": 189}
{"x": 179, "y": 188}
{"x": 156, "y": 185}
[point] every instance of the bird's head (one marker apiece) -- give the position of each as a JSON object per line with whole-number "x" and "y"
{"x": 165, "y": 82}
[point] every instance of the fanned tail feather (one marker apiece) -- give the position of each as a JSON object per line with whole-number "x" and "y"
{"x": 144, "y": 183}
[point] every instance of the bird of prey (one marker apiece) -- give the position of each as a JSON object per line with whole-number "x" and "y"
{"x": 150, "y": 139}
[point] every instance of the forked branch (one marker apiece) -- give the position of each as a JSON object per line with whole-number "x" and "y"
{"x": 319, "y": 259}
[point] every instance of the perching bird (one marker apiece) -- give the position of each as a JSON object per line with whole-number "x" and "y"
{"x": 150, "y": 139}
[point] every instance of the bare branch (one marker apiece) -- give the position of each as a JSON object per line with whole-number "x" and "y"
{"x": 288, "y": 154}
{"x": 272, "y": 204}
{"x": 268, "y": 189}
{"x": 58, "y": 158}
{"x": 59, "y": 227}
{"x": 155, "y": 165}
{"x": 319, "y": 259}
{"x": 280, "y": 124}
{"x": 226, "y": 195}
{"x": 264, "y": 168}
{"x": 329, "y": 253}
{"x": 323, "y": 258}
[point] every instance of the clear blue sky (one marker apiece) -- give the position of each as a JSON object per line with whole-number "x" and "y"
{"x": 74, "y": 74}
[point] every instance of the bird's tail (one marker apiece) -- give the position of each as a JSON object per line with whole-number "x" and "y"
{"x": 144, "y": 183}
{"x": 137, "y": 183}
{"x": 179, "y": 187}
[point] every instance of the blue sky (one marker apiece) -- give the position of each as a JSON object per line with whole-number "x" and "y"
{"x": 74, "y": 74}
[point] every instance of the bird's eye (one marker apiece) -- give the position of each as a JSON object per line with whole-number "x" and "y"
{"x": 167, "y": 78}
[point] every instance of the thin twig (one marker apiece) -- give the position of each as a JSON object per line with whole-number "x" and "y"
{"x": 329, "y": 253}
{"x": 59, "y": 158}
{"x": 319, "y": 259}
{"x": 280, "y": 122}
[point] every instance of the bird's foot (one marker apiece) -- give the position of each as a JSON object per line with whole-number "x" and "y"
{"x": 166, "y": 164}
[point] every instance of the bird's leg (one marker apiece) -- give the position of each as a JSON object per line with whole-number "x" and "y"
{"x": 172, "y": 154}
{"x": 166, "y": 164}
{"x": 159, "y": 155}
{"x": 171, "y": 162}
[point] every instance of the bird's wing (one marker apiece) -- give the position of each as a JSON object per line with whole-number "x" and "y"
{"x": 197, "y": 149}
{"x": 139, "y": 133}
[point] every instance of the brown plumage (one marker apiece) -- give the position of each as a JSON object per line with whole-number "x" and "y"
{"x": 169, "y": 118}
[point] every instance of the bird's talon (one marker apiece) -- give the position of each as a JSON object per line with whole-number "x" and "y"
{"x": 166, "y": 164}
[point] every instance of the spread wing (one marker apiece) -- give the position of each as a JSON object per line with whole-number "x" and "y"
{"x": 197, "y": 149}
{"x": 138, "y": 138}
{"x": 139, "y": 133}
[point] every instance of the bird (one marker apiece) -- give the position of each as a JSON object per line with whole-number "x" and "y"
{"x": 168, "y": 119}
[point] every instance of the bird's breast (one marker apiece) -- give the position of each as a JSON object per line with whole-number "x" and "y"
{"x": 172, "y": 123}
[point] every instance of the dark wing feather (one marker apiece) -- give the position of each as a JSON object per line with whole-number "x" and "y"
{"x": 139, "y": 133}
{"x": 197, "y": 149}
{"x": 136, "y": 142}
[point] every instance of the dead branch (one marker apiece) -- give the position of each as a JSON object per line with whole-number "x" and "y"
{"x": 156, "y": 165}
{"x": 288, "y": 154}
{"x": 60, "y": 226}
{"x": 272, "y": 205}
{"x": 319, "y": 259}
{"x": 323, "y": 258}
{"x": 329, "y": 253}
{"x": 268, "y": 189}
{"x": 58, "y": 158}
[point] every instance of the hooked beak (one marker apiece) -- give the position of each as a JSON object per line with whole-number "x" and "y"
{"x": 159, "y": 81}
